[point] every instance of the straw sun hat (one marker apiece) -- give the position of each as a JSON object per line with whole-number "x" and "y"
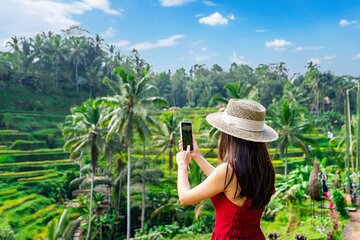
{"x": 243, "y": 119}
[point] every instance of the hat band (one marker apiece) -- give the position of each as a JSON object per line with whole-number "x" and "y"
{"x": 245, "y": 124}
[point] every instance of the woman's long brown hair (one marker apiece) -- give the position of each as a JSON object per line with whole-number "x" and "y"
{"x": 252, "y": 167}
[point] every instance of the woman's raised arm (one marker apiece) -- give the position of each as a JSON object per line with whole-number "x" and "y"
{"x": 211, "y": 186}
{"x": 205, "y": 166}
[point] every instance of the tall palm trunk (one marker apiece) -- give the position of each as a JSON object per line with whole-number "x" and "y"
{"x": 91, "y": 200}
{"x": 119, "y": 196}
{"x": 170, "y": 160}
{"x": 57, "y": 76}
{"x": 80, "y": 163}
{"x": 76, "y": 78}
{"x": 120, "y": 187}
{"x": 110, "y": 188}
{"x": 128, "y": 193}
{"x": 143, "y": 190}
{"x": 93, "y": 165}
{"x": 91, "y": 92}
{"x": 286, "y": 160}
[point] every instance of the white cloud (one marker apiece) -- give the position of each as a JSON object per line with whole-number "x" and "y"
{"x": 304, "y": 48}
{"x": 173, "y": 3}
{"x": 29, "y": 17}
{"x": 167, "y": 42}
{"x": 316, "y": 61}
{"x": 329, "y": 58}
{"x": 214, "y": 19}
{"x": 109, "y": 32}
{"x": 277, "y": 43}
{"x": 203, "y": 49}
{"x": 196, "y": 42}
{"x": 261, "y": 30}
{"x": 210, "y": 3}
{"x": 356, "y": 57}
{"x": 202, "y": 58}
{"x": 121, "y": 43}
{"x": 231, "y": 16}
{"x": 103, "y": 5}
{"x": 345, "y": 22}
{"x": 239, "y": 59}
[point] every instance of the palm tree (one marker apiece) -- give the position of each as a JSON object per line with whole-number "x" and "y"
{"x": 340, "y": 140}
{"x": 234, "y": 90}
{"x": 166, "y": 139}
{"x": 76, "y": 55}
{"x": 291, "y": 126}
{"x": 82, "y": 131}
{"x": 312, "y": 79}
{"x": 93, "y": 73}
{"x": 56, "y": 50}
{"x": 129, "y": 114}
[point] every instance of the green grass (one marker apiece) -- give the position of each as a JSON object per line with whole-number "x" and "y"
{"x": 33, "y": 228}
{"x": 27, "y": 145}
{"x": 3, "y": 147}
{"x": 40, "y": 163}
{"x": 39, "y": 178}
{"x": 22, "y": 174}
{"x": 40, "y": 213}
{"x": 10, "y": 196}
{"x": 34, "y": 156}
{"x": 10, "y": 191}
{"x": 28, "y": 152}
{"x": 13, "y": 203}
{"x": 27, "y": 208}
{"x": 12, "y": 136}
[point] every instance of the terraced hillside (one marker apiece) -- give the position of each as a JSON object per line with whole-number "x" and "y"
{"x": 33, "y": 171}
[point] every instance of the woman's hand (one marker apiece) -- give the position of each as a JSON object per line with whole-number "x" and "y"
{"x": 195, "y": 153}
{"x": 183, "y": 158}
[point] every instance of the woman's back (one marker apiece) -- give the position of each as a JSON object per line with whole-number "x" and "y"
{"x": 236, "y": 222}
{"x": 234, "y": 219}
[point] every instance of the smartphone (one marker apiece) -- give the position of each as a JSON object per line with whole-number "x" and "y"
{"x": 186, "y": 135}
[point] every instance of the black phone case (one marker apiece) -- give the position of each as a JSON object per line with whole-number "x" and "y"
{"x": 188, "y": 138}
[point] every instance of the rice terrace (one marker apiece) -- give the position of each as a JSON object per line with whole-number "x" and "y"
{"x": 93, "y": 94}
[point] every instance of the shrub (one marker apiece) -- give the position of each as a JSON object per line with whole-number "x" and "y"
{"x": 52, "y": 136}
{"x": 6, "y": 233}
{"x": 339, "y": 201}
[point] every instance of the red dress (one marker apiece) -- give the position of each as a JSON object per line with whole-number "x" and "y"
{"x": 236, "y": 222}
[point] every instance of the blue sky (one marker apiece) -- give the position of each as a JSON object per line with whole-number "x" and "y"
{"x": 179, "y": 33}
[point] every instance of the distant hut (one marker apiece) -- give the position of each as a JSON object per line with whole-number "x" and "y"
{"x": 314, "y": 183}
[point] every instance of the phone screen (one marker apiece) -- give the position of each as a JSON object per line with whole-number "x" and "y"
{"x": 186, "y": 135}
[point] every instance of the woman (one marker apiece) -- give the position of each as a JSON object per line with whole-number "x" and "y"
{"x": 242, "y": 185}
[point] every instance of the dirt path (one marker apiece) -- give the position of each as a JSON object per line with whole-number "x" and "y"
{"x": 352, "y": 229}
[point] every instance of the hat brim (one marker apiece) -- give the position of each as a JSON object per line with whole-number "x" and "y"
{"x": 267, "y": 135}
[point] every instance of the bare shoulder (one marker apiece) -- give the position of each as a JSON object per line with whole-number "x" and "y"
{"x": 224, "y": 170}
